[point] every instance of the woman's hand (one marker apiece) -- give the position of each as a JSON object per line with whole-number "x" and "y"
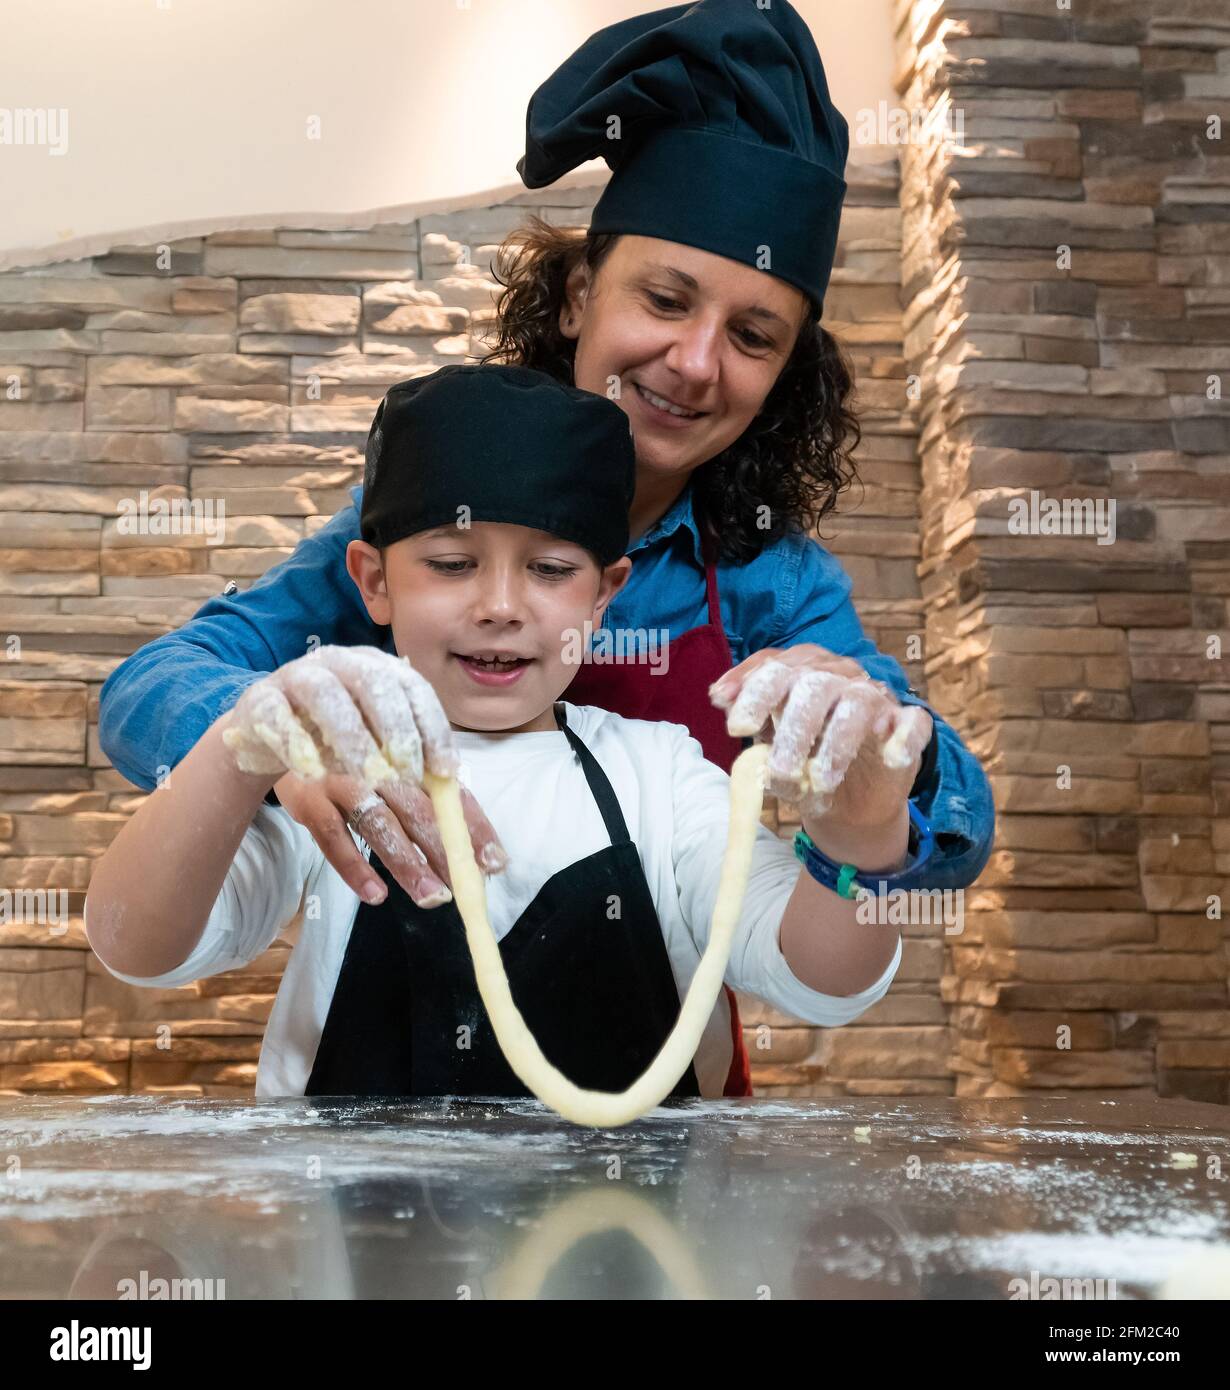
{"x": 845, "y": 751}
{"x": 350, "y": 730}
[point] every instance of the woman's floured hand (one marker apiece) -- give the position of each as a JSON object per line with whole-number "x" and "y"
{"x": 844, "y": 749}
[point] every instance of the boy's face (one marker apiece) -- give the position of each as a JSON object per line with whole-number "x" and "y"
{"x": 491, "y": 589}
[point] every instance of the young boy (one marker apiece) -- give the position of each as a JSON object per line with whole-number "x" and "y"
{"x": 494, "y": 527}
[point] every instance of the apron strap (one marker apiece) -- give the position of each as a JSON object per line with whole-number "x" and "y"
{"x": 599, "y": 786}
{"x": 711, "y": 588}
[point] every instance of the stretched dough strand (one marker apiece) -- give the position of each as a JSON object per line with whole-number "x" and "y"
{"x": 603, "y": 1109}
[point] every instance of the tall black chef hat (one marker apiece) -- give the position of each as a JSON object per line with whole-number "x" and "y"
{"x": 716, "y": 121}
{"x": 510, "y": 444}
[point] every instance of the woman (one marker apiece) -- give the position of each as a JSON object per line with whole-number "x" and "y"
{"x": 694, "y": 301}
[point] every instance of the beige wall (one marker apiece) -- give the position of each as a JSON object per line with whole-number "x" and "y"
{"x": 188, "y": 115}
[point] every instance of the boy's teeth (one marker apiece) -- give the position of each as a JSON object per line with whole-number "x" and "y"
{"x": 494, "y": 663}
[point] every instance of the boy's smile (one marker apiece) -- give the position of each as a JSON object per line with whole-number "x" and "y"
{"x": 483, "y": 612}
{"x": 494, "y": 668}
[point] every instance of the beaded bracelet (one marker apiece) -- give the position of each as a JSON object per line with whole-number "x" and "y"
{"x": 842, "y": 878}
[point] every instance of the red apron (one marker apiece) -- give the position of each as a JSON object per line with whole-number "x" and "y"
{"x": 680, "y": 695}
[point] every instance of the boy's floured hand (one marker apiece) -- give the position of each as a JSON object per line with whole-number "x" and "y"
{"x": 351, "y": 730}
{"x": 398, "y": 821}
{"x": 844, "y": 748}
{"x": 357, "y": 711}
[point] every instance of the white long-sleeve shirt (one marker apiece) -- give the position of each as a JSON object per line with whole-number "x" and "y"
{"x": 532, "y": 788}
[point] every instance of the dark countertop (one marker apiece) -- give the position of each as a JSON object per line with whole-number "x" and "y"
{"x": 890, "y": 1198}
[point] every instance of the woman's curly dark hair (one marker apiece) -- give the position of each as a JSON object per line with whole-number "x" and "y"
{"x": 794, "y": 458}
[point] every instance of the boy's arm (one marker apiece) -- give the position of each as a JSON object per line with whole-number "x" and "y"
{"x": 156, "y": 704}
{"x": 797, "y": 945}
{"x": 152, "y": 893}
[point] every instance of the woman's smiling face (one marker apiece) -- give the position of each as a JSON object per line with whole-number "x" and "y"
{"x": 695, "y": 341}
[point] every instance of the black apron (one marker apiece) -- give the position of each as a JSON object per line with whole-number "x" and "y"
{"x": 586, "y": 963}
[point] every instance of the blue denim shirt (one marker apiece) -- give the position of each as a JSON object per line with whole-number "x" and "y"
{"x": 157, "y": 704}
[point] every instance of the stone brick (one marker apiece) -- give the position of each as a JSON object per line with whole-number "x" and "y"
{"x": 1209, "y": 1087}
{"x": 1213, "y": 1055}
{"x": 63, "y": 1050}
{"x": 886, "y": 1052}
{"x": 779, "y": 1045}
{"x": 1133, "y": 997}
{"x": 330, "y": 314}
{"x": 1180, "y": 892}
{"x": 1037, "y": 1030}
{"x": 1040, "y": 1067}
{"x": 915, "y": 1086}
{"x": 1181, "y": 1024}
{"x": 153, "y": 1075}
{"x": 1064, "y": 930}
{"x": 88, "y": 1077}
{"x": 242, "y": 415}
{"x": 37, "y": 985}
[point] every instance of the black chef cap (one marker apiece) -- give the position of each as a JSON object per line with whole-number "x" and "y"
{"x": 726, "y": 138}
{"x": 511, "y": 444}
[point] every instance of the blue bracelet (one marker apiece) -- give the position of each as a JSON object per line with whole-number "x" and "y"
{"x": 842, "y": 878}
